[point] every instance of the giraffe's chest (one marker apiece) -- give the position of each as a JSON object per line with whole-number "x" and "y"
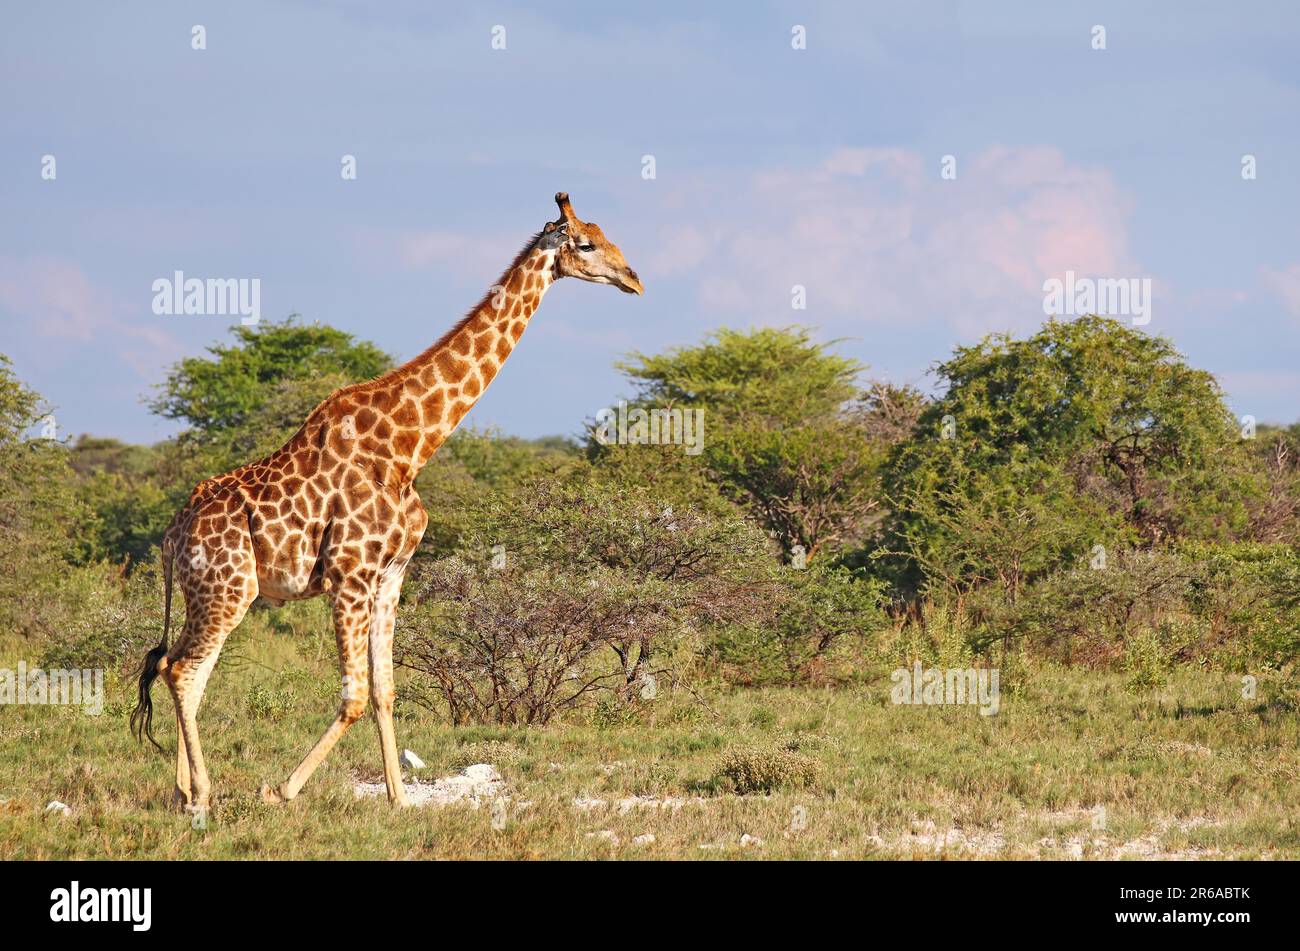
{"x": 296, "y": 540}
{"x": 289, "y": 567}
{"x": 273, "y": 589}
{"x": 289, "y": 531}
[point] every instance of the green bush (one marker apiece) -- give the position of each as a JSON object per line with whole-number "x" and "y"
{"x": 1146, "y": 661}
{"x": 105, "y": 620}
{"x": 1087, "y": 432}
{"x": 1236, "y": 606}
{"x": 269, "y": 702}
{"x": 811, "y": 626}
{"x": 560, "y": 594}
{"x": 45, "y": 528}
{"x": 1249, "y": 597}
{"x": 754, "y": 769}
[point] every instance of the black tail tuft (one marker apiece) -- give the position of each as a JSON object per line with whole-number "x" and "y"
{"x": 142, "y": 716}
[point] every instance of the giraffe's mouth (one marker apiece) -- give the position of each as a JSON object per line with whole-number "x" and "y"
{"x": 629, "y": 283}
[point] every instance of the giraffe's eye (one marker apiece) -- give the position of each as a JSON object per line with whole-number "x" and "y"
{"x": 586, "y": 247}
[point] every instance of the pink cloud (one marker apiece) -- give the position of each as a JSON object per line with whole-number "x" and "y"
{"x": 877, "y": 237}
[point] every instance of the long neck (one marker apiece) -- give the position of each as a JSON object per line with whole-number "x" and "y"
{"x": 432, "y": 393}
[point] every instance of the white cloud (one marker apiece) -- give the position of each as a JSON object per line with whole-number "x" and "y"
{"x": 477, "y": 257}
{"x": 421, "y": 249}
{"x": 54, "y": 297}
{"x": 1285, "y": 283}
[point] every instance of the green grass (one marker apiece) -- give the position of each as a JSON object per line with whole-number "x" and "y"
{"x": 1189, "y": 769}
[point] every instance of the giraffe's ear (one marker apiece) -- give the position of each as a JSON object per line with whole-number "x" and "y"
{"x": 554, "y": 234}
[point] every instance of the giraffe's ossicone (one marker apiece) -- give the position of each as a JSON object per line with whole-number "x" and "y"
{"x": 334, "y": 511}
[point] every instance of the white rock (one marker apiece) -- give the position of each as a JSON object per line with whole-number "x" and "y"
{"x": 646, "y": 838}
{"x": 477, "y": 784}
{"x": 483, "y": 773}
{"x": 607, "y": 834}
{"x": 748, "y": 840}
{"x": 60, "y": 807}
{"x": 411, "y": 761}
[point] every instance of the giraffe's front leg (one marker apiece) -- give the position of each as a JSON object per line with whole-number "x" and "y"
{"x": 382, "y": 688}
{"x": 353, "y": 603}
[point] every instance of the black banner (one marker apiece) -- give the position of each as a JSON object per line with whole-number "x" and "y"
{"x": 957, "y": 901}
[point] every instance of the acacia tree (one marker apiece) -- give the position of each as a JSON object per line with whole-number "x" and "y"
{"x": 793, "y": 632}
{"x": 782, "y": 435}
{"x": 812, "y": 486}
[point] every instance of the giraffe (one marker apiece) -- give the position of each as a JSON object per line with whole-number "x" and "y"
{"x": 334, "y": 512}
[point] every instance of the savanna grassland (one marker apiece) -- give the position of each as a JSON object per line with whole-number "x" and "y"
{"x": 672, "y": 654}
{"x": 1072, "y": 766}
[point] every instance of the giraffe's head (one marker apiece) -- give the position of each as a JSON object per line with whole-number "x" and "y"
{"x": 585, "y": 252}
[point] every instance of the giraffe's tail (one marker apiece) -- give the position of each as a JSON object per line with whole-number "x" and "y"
{"x": 142, "y": 716}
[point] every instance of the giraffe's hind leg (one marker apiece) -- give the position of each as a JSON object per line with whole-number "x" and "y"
{"x": 183, "y": 794}
{"x": 219, "y": 586}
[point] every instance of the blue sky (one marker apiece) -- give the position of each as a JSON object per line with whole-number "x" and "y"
{"x": 773, "y": 167}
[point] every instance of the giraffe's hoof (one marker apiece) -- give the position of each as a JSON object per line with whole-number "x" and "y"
{"x": 273, "y": 796}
